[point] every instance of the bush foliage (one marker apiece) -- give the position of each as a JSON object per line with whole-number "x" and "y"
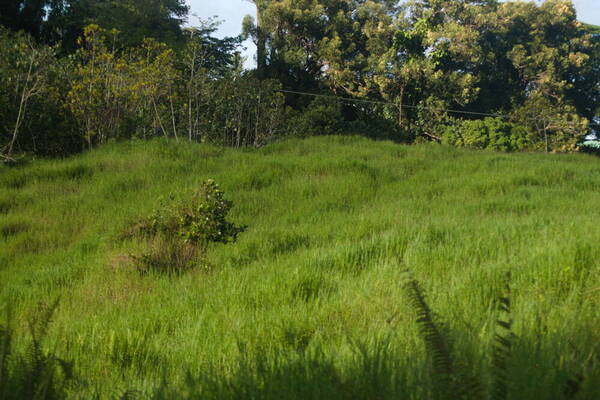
{"x": 180, "y": 232}
{"x": 489, "y": 133}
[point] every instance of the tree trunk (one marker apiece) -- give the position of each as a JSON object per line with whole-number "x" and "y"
{"x": 159, "y": 120}
{"x": 22, "y": 106}
{"x": 400, "y": 107}
{"x": 191, "y": 87}
{"x": 546, "y": 138}
{"x": 173, "y": 122}
{"x": 261, "y": 43}
{"x": 257, "y": 118}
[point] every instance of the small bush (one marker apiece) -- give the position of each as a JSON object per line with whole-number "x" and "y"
{"x": 590, "y": 147}
{"x": 168, "y": 255}
{"x": 180, "y": 232}
{"x": 488, "y": 133}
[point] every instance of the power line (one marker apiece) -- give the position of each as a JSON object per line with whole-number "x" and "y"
{"x": 390, "y": 103}
{"x": 348, "y": 99}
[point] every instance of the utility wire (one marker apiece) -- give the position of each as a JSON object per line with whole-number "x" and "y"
{"x": 348, "y": 99}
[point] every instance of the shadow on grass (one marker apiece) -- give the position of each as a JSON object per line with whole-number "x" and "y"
{"x": 443, "y": 365}
{"x": 448, "y": 365}
{"x": 32, "y": 372}
{"x": 377, "y": 369}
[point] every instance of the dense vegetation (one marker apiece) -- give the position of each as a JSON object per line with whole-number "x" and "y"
{"x": 313, "y": 300}
{"x": 75, "y": 73}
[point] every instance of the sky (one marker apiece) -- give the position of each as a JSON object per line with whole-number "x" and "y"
{"x": 231, "y": 13}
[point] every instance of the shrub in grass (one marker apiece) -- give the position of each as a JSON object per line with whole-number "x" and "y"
{"x": 170, "y": 255}
{"x": 180, "y": 232}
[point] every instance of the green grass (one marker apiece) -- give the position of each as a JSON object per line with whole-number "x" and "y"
{"x": 309, "y": 303}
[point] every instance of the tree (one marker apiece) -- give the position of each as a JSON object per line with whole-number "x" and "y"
{"x": 63, "y": 21}
{"x": 288, "y": 35}
{"x": 255, "y": 29}
{"x": 24, "y": 70}
{"x": 421, "y": 54}
{"x": 123, "y": 94}
{"x": 586, "y": 88}
{"x": 23, "y": 15}
{"x": 553, "y": 56}
{"x": 204, "y": 58}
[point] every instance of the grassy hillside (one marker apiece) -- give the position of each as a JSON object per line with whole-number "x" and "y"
{"x": 310, "y": 302}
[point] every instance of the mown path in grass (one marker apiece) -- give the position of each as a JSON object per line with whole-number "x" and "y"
{"x": 309, "y": 302}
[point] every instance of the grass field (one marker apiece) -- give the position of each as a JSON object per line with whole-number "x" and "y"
{"x": 311, "y": 302}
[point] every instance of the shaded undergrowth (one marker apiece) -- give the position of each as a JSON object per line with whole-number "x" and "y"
{"x": 32, "y": 371}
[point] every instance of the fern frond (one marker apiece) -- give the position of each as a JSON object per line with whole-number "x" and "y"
{"x": 436, "y": 343}
{"x": 40, "y": 368}
{"x": 469, "y": 386}
{"x": 5, "y": 348}
{"x": 503, "y": 343}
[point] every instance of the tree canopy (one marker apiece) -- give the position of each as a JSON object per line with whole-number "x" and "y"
{"x": 63, "y": 21}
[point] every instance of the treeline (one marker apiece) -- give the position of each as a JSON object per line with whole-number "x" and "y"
{"x": 535, "y": 63}
{"x": 75, "y": 73}
{"x": 58, "y": 105}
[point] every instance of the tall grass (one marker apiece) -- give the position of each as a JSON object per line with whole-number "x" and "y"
{"x": 310, "y": 303}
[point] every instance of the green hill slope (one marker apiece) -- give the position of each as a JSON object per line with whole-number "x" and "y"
{"x": 309, "y": 303}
